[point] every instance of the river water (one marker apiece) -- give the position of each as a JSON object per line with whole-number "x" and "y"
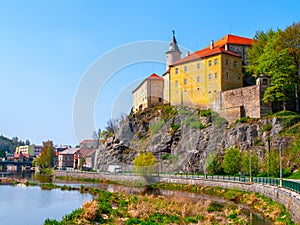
{"x": 32, "y": 206}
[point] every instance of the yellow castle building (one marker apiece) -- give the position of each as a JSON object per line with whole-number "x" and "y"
{"x": 199, "y": 79}
{"x": 196, "y": 79}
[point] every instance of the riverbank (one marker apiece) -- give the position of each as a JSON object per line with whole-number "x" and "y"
{"x": 149, "y": 207}
{"x": 272, "y": 210}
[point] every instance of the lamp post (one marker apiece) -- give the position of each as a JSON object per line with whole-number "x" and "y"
{"x": 269, "y": 146}
{"x": 250, "y": 166}
{"x": 280, "y": 163}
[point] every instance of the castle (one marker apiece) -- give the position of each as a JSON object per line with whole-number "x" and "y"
{"x": 208, "y": 78}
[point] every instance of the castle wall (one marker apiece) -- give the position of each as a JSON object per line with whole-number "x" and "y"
{"x": 241, "y": 102}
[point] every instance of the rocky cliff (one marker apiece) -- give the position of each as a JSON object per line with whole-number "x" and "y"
{"x": 183, "y": 138}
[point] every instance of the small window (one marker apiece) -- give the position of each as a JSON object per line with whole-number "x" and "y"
{"x": 176, "y": 83}
{"x": 209, "y": 76}
{"x": 176, "y": 71}
{"x": 185, "y": 68}
{"x": 159, "y": 99}
{"x": 198, "y": 66}
{"x": 209, "y": 92}
{"x": 216, "y": 75}
{"x": 209, "y": 63}
{"x": 185, "y": 81}
{"x": 226, "y": 62}
{"x": 239, "y": 78}
{"x": 235, "y": 64}
{"x": 215, "y": 91}
{"x": 198, "y": 79}
{"x": 227, "y": 75}
{"x": 265, "y": 82}
{"x": 216, "y": 61}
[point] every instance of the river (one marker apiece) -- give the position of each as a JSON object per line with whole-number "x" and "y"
{"x": 32, "y": 206}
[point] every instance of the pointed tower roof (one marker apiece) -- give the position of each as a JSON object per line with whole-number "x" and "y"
{"x": 173, "y": 45}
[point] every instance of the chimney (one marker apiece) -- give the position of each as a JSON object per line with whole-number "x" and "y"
{"x": 212, "y": 44}
{"x": 226, "y": 47}
{"x": 187, "y": 53}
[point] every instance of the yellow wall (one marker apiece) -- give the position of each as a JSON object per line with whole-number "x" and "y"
{"x": 197, "y": 82}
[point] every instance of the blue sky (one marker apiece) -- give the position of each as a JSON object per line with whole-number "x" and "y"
{"x": 47, "y": 46}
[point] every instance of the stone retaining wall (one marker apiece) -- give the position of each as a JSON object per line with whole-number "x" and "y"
{"x": 290, "y": 199}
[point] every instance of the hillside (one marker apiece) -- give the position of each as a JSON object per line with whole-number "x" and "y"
{"x": 10, "y": 145}
{"x": 187, "y": 139}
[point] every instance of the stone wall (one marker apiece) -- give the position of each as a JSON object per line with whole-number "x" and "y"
{"x": 290, "y": 199}
{"x": 241, "y": 102}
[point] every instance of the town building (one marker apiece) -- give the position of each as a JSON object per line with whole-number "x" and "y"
{"x": 148, "y": 93}
{"x": 27, "y": 151}
{"x": 66, "y": 158}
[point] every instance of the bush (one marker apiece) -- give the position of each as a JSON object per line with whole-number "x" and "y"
{"x": 205, "y": 113}
{"x": 232, "y": 161}
{"x": 267, "y": 127}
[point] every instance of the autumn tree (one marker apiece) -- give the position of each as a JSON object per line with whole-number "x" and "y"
{"x": 46, "y": 160}
{"x": 145, "y": 165}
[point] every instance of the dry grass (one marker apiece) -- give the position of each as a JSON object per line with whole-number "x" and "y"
{"x": 90, "y": 210}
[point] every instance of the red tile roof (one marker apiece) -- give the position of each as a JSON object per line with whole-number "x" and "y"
{"x": 204, "y": 53}
{"x": 233, "y": 39}
{"x": 218, "y": 48}
{"x": 87, "y": 141}
{"x": 154, "y": 76}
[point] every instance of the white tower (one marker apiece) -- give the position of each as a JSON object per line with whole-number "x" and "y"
{"x": 173, "y": 53}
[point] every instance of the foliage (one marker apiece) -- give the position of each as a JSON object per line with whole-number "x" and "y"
{"x": 245, "y": 163}
{"x": 272, "y": 163}
{"x": 193, "y": 121}
{"x": 232, "y": 161}
{"x": 267, "y": 127}
{"x": 155, "y": 127}
{"x": 242, "y": 120}
{"x": 205, "y": 113}
{"x": 144, "y": 164}
{"x": 271, "y": 57}
{"x": 213, "y": 164}
{"x": 46, "y": 159}
{"x": 10, "y": 145}
{"x": 2, "y": 153}
{"x": 217, "y": 120}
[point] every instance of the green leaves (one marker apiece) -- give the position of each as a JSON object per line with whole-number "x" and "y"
{"x": 271, "y": 55}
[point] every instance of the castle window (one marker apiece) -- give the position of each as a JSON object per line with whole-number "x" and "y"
{"x": 239, "y": 78}
{"x": 216, "y": 62}
{"x": 198, "y": 79}
{"x": 209, "y": 63}
{"x": 209, "y": 92}
{"x": 176, "y": 71}
{"x": 235, "y": 64}
{"x": 227, "y": 75}
{"x": 226, "y": 62}
{"x": 185, "y": 81}
{"x": 216, "y": 75}
{"x": 185, "y": 68}
{"x": 198, "y": 66}
{"x": 176, "y": 83}
{"x": 209, "y": 76}
{"x": 159, "y": 99}
{"x": 265, "y": 82}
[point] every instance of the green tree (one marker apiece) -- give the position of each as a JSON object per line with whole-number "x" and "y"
{"x": 245, "y": 163}
{"x": 270, "y": 57}
{"x": 232, "y": 161}
{"x": 144, "y": 164}
{"x": 2, "y": 153}
{"x": 46, "y": 160}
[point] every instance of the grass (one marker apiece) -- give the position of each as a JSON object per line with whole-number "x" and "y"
{"x": 295, "y": 175}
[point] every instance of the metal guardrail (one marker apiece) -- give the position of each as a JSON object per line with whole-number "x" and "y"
{"x": 291, "y": 185}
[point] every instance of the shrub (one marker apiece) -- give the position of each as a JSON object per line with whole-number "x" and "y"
{"x": 154, "y": 128}
{"x": 205, "y": 113}
{"x": 232, "y": 161}
{"x": 242, "y": 120}
{"x": 267, "y": 127}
